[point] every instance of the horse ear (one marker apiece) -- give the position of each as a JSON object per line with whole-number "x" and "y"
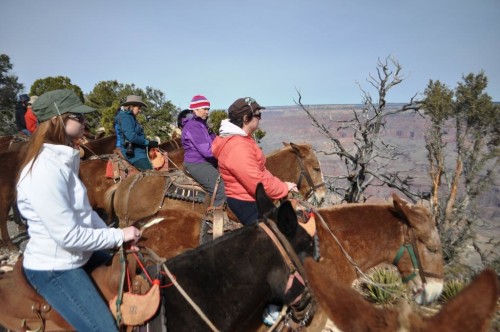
{"x": 264, "y": 204}
{"x": 418, "y": 217}
{"x": 296, "y": 149}
{"x": 285, "y": 143}
{"x": 287, "y": 219}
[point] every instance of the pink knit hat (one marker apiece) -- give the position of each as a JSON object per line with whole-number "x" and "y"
{"x": 199, "y": 101}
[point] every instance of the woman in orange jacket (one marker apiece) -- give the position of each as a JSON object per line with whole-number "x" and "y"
{"x": 30, "y": 117}
{"x": 242, "y": 163}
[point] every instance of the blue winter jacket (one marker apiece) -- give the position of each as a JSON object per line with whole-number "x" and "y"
{"x": 128, "y": 129}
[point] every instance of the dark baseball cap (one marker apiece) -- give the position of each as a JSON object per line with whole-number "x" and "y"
{"x": 57, "y": 102}
{"x": 243, "y": 106}
{"x": 24, "y": 98}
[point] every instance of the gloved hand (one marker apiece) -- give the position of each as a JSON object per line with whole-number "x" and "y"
{"x": 152, "y": 144}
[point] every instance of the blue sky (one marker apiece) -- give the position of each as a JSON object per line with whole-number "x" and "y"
{"x": 225, "y": 49}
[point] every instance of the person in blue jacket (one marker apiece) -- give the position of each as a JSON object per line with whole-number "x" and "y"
{"x": 130, "y": 138}
{"x": 197, "y": 141}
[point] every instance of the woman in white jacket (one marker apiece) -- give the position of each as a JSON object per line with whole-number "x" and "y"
{"x": 67, "y": 238}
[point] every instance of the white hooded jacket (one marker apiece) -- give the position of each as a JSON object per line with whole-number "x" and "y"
{"x": 63, "y": 228}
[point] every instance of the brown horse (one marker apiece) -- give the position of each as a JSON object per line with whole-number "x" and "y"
{"x": 97, "y": 147}
{"x": 471, "y": 310}
{"x": 5, "y": 142}
{"x": 21, "y": 303}
{"x": 369, "y": 235}
{"x": 10, "y": 161}
{"x": 233, "y": 268}
{"x": 92, "y": 173}
{"x": 304, "y": 168}
{"x": 143, "y": 196}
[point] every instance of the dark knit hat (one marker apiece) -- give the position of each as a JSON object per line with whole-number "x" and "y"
{"x": 24, "y": 98}
{"x": 199, "y": 101}
{"x": 243, "y": 106}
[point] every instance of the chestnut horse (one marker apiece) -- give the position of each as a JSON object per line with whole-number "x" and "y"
{"x": 401, "y": 234}
{"x": 20, "y": 302}
{"x": 92, "y": 174}
{"x": 5, "y": 142}
{"x": 100, "y": 146}
{"x": 250, "y": 270}
{"x": 10, "y": 161}
{"x": 142, "y": 196}
{"x": 471, "y": 310}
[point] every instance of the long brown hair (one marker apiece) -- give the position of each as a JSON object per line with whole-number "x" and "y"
{"x": 51, "y": 131}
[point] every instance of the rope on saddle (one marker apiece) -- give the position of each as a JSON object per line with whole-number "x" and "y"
{"x": 119, "y": 299}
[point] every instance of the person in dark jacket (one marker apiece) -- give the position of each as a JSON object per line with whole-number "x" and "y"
{"x": 21, "y": 108}
{"x": 130, "y": 134}
{"x": 197, "y": 141}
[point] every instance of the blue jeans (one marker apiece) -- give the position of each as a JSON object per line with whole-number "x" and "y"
{"x": 73, "y": 294}
{"x": 246, "y": 212}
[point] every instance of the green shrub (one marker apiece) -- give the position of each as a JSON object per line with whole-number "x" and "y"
{"x": 451, "y": 289}
{"x": 383, "y": 287}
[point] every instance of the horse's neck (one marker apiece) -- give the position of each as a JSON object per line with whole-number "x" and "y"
{"x": 283, "y": 164}
{"x": 227, "y": 278}
{"x": 370, "y": 235}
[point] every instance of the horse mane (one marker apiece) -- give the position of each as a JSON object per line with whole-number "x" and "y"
{"x": 287, "y": 147}
{"x": 189, "y": 254}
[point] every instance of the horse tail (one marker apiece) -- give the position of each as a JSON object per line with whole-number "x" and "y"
{"x": 109, "y": 200}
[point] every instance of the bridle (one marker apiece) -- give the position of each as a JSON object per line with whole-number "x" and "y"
{"x": 302, "y": 306}
{"x": 410, "y": 246}
{"x": 304, "y": 174}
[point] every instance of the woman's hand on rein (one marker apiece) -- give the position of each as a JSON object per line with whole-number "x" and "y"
{"x": 131, "y": 234}
{"x": 292, "y": 187}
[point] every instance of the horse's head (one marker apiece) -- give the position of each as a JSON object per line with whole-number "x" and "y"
{"x": 285, "y": 218}
{"x": 310, "y": 181}
{"x": 422, "y": 265}
{"x": 304, "y": 243}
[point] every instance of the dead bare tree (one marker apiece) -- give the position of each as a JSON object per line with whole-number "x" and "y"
{"x": 366, "y": 162}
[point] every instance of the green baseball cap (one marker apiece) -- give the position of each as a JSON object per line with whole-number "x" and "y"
{"x": 57, "y": 102}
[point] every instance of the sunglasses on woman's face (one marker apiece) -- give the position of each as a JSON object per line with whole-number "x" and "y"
{"x": 258, "y": 116}
{"x": 77, "y": 117}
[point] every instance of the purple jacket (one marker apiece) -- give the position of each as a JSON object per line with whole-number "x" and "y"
{"x": 197, "y": 141}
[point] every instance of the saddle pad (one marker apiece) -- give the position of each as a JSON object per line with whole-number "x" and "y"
{"x": 137, "y": 309}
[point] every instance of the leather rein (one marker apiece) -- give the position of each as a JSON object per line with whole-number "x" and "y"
{"x": 302, "y": 307}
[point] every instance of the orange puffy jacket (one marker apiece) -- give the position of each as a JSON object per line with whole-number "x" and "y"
{"x": 242, "y": 166}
